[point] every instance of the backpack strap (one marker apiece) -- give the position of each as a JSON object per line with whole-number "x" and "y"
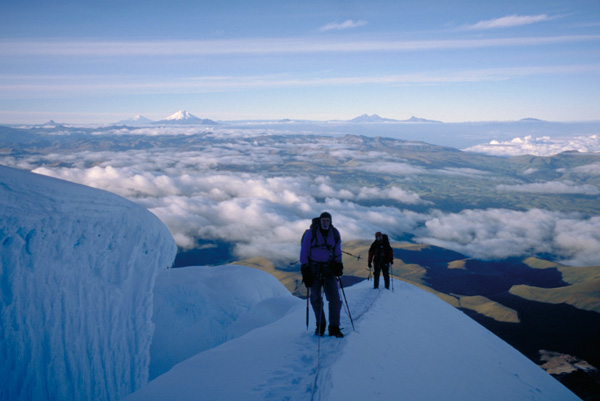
{"x": 313, "y": 232}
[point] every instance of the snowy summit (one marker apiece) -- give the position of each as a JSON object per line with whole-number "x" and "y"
{"x": 183, "y": 117}
{"x": 137, "y": 120}
{"x": 374, "y": 118}
{"x": 91, "y": 312}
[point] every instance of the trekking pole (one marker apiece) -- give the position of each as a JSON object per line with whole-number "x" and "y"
{"x": 307, "y": 297}
{"x": 347, "y": 253}
{"x": 346, "y": 301}
{"x": 319, "y": 323}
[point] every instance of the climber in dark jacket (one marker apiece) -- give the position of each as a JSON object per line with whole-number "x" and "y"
{"x": 382, "y": 255}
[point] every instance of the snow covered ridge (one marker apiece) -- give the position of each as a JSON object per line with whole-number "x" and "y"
{"x": 198, "y": 308}
{"x": 77, "y": 270}
{"x": 408, "y": 345}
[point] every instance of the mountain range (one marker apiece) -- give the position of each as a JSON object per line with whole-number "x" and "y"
{"x": 181, "y": 117}
{"x": 184, "y": 117}
{"x": 374, "y": 118}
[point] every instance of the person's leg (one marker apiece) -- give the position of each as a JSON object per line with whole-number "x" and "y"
{"x": 335, "y": 303}
{"x": 376, "y": 273}
{"x": 386, "y": 275}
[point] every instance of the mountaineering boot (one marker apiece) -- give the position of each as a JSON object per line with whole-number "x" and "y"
{"x": 320, "y": 330}
{"x": 335, "y": 331}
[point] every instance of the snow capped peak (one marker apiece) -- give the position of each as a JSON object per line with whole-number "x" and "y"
{"x": 181, "y": 115}
{"x": 414, "y": 119}
{"x": 365, "y": 118}
{"x": 136, "y": 120}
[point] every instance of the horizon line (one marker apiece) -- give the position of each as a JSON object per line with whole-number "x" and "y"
{"x": 384, "y": 120}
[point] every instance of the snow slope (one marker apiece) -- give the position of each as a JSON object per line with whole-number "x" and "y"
{"x": 408, "y": 345}
{"x": 77, "y": 270}
{"x": 188, "y": 302}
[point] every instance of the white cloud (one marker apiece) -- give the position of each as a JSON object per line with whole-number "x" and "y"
{"x": 265, "y": 216}
{"x": 539, "y": 146}
{"x": 461, "y": 171}
{"x": 579, "y": 241}
{"x": 348, "y": 24}
{"x": 212, "y": 84}
{"x": 501, "y": 233}
{"x": 261, "y": 215}
{"x": 190, "y": 48}
{"x": 588, "y": 169}
{"x": 552, "y": 187}
{"x": 389, "y": 167}
{"x": 394, "y": 192}
{"x": 509, "y": 22}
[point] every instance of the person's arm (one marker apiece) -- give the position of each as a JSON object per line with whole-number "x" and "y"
{"x": 371, "y": 254}
{"x": 305, "y": 248}
{"x": 338, "y": 251}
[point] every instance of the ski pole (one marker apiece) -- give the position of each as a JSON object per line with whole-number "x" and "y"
{"x": 346, "y": 301}
{"x": 319, "y": 323}
{"x": 307, "y": 297}
{"x": 347, "y": 253}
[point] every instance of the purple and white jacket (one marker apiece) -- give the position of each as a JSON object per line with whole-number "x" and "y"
{"x": 319, "y": 249}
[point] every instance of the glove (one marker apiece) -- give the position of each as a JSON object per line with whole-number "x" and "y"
{"x": 307, "y": 277}
{"x": 338, "y": 269}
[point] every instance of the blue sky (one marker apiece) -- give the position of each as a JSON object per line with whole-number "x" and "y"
{"x": 102, "y": 61}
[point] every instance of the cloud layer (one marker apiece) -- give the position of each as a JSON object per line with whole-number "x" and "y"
{"x": 501, "y": 233}
{"x": 234, "y": 188}
{"x": 539, "y": 146}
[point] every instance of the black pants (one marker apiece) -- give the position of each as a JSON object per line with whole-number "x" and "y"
{"x": 327, "y": 281}
{"x": 385, "y": 268}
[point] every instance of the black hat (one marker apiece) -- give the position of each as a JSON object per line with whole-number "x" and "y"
{"x": 325, "y": 215}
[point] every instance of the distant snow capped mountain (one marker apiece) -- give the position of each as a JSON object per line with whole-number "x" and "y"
{"x": 414, "y": 119}
{"x": 374, "y": 118}
{"x": 529, "y": 119}
{"x": 137, "y": 120}
{"x": 49, "y": 124}
{"x": 183, "y": 117}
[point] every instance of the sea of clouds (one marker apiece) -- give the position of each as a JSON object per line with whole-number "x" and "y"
{"x": 222, "y": 193}
{"x": 539, "y": 146}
